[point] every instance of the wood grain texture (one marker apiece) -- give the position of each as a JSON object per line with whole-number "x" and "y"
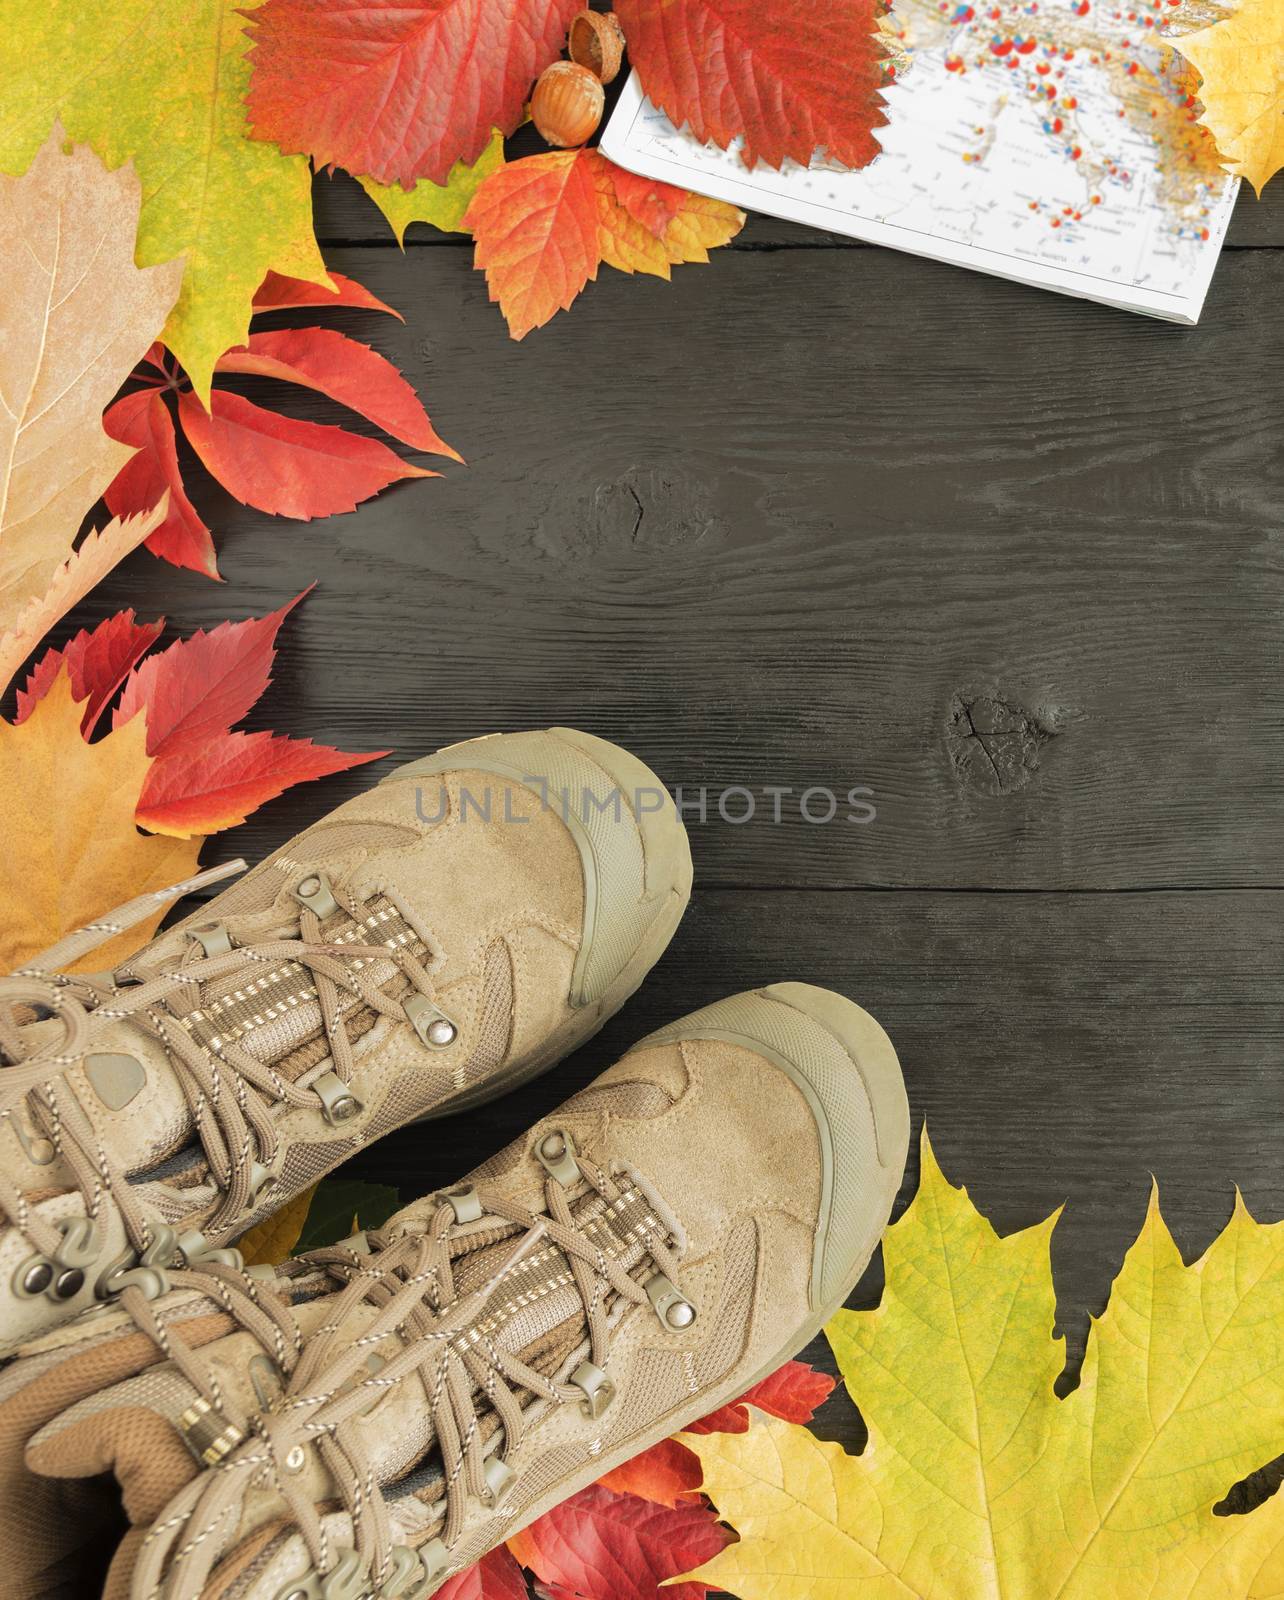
{"x": 808, "y": 518}
{"x": 819, "y": 515}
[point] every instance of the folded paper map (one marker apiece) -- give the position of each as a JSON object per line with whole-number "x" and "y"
{"x": 1055, "y": 144}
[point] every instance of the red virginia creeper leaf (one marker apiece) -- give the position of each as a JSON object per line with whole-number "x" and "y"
{"x": 495, "y": 1577}
{"x": 544, "y": 224}
{"x": 279, "y": 293}
{"x": 397, "y": 90}
{"x": 791, "y": 77}
{"x": 98, "y": 661}
{"x": 280, "y": 464}
{"x": 203, "y": 791}
{"x": 606, "y": 1546}
{"x": 536, "y": 229}
{"x": 350, "y": 372}
{"x": 143, "y": 420}
{"x": 794, "y": 1392}
{"x": 664, "y": 1473}
{"x": 195, "y": 690}
{"x": 647, "y": 200}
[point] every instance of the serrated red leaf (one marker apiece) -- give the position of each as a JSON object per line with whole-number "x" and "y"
{"x": 280, "y": 293}
{"x": 397, "y": 90}
{"x": 790, "y": 78}
{"x": 285, "y": 466}
{"x": 648, "y": 201}
{"x": 218, "y": 786}
{"x": 793, "y": 1392}
{"x": 98, "y": 660}
{"x": 195, "y": 690}
{"x": 605, "y": 1546}
{"x": 347, "y": 371}
{"x": 536, "y": 229}
{"x": 143, "y": 420}
{"x": 495, "y": 1577}
{"x": 664, "y": 1473}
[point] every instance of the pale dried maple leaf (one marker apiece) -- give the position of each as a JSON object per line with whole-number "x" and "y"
{"x": 78, "y": 314}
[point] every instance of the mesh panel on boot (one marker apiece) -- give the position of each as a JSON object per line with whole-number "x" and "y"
{"x": 496, "y": 1029}
{"x": 724, "y": 1347}
{"x": 419, "y": 1090}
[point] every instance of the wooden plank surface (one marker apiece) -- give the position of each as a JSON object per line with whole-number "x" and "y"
{"x": 822, "y": 518}
{"x": 818, "y": 514}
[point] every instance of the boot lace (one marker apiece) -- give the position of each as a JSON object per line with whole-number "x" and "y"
{"x": 229, "y": 1093}
{"x": 328, "y": 1382}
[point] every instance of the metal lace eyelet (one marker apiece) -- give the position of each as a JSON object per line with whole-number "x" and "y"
{"x": 672, "y": 1307}
{"x": 315, "y": 893}
{"x": 430, "y": 1022}
{"x": 555, "y": 1152}
{"x": 499, "y": 1477}
{"x": 213, "y": 938}
{"x": 338, "y": 1103}
{"x": 597, "y": 1388}
{"x": 465, "y": 1203}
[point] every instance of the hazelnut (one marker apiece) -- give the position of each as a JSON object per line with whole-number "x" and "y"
{"x": 567, "y": 104}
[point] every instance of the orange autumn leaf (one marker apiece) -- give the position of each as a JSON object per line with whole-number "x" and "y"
{"x": 70, "y": 850}
{"x": 543, "y": 226}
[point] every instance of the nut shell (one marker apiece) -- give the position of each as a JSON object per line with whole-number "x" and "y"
{"x": 567, "y": 104}
{"x": 596, "y": 41}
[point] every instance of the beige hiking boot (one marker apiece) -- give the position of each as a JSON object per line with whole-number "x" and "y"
{"x": 429, "y": 945}
{"x": 377, "y": 1416}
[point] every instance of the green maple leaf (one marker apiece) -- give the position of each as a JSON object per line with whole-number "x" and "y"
{"x": 441, "y": 205}
{"x": 161, "y": 83}
{"x": 978, "y": 1483}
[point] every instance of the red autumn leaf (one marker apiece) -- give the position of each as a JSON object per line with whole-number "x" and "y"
{"x": 790, "y": 77}
{"x": 98, "y": 662}
{"x": 143, "y": 419}
{"x": 664, "y": 1473}
{"x": 279, "y": 293}
{"x": 195, "y": 690}
{"x": 647, "y": 200}
{"x": 793, "y": 1392}
{"x": 605, "y": 1546}
{"x": 347, "y": 371}
{"x": 495, "y": 1577}
{"x": 397, "y": 90}
{"x": 294, "y": 468}
{"x": 535, "y": 225}
{"x": 286, "y": 466}
{"x": 203, "y": 791}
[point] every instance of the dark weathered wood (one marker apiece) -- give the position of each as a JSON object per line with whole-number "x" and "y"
{"x": 1062, "y": 1048}
{"x": 346, "y": 216}
{"x": 825, "y": 518}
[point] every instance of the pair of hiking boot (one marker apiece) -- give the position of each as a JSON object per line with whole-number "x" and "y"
{"x": 372, "y": 1418}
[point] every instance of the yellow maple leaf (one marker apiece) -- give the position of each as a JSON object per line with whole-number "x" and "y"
{"x": 69, "y": 847}
{"x": 1241, "y": 62}
{"x": 274, "y": 1239}
{"x": 977, "y": 1481}
{"x": 162, "y": 83}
